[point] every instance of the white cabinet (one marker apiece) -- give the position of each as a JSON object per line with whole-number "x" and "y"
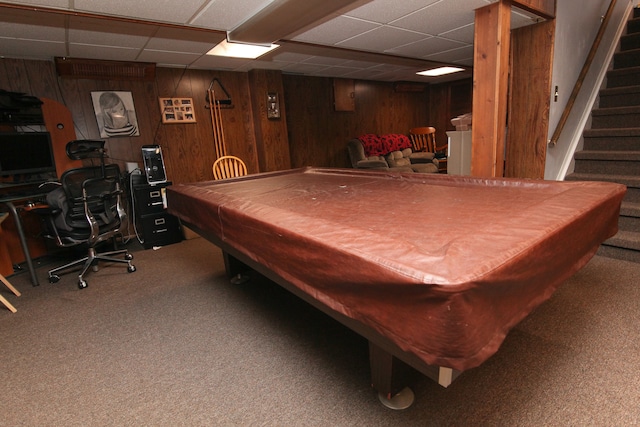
{"x": 459, "y": 153}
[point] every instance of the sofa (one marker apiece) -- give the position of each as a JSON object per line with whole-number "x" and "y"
{"x": 391, "y": 152}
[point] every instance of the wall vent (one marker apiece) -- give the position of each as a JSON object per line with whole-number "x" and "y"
{"x": 105, "y": 70}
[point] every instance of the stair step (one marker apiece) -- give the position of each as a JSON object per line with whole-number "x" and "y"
{"x": 617, "y": 139}
{"x": 633, "y": 26}
{"x": 625, "y": 96}
{"x": 608, "y": 162}
{"x": 622, "y": 156}
{"x": 626, "y": 59}
{"x": 630, "y": 41}
{"x": 611, "y": 249}
{"x": 615, "y": 117}
{"x": 625, "y": 239}
{"x": 629, "y": 180}
{"x": 623, "y": 77}
{"x": 612, "y": 145}
{"x": 632, "y": 182}
{"x": 630, "y": 209}
{"x": 629, "y": 217}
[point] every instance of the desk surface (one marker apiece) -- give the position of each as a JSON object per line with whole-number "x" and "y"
{"x": 17, "y": 192}
{"x": 442, "y": 266}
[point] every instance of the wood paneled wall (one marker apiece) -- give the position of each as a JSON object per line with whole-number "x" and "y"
{"x": 318, "y": 134}
{"x": 188, "y": 148}
{"x": 310, "y": 131}
{"x": 447, "y": 101}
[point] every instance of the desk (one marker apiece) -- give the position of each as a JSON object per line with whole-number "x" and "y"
{"x": 8, "y": 202}
{"x": 433, "y": 270}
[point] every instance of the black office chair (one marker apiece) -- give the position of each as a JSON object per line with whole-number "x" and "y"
{"x": 86, "y": 209}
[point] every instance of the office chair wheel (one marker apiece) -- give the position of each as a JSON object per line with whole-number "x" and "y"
{"x": 82, "y": 284}
{"x": 128, "y": 257}
{"x": 54, "y": 278}
{"x": 131, "y": 268}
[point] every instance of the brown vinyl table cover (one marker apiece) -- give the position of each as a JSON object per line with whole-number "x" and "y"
{"x": 442, "y": 266}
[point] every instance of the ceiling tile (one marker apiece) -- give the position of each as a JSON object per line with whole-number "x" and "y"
{"x": 385, "y": 11}
{"x": 459, "y": 56}
{"x": 31, "y": 49}
{"x": 175, "y": 40}
{"x": 225, "y": 15}
{"x": 360, "y": 64}
{"x": 152, "y": 10}
{"x": 102, "y": 52}
{"x": 300, "y": 68}
{"x": 19, "y": 25}
{"x": 211, "y": 62}
{"x": 335, "y": 31}
{"x": 325, "y": 60}
{"x": 291, "y": 57}
{"x": 425, "y": 47}
{"x": 59, "y": 4}
{"x": 373, "y": 37}
{"x": 463, "y": 34}
{"x": 383, "y": 38}
{"x": 167, "y": 58}
{"x": 442, "y": 16}
{"x": 98, "y": 32}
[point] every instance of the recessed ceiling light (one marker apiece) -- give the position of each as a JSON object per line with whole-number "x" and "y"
{"x": 440, "y": 71}
{"x": 240, "y": 50}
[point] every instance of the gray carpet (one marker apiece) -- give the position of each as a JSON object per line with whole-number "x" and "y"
{"x": 175, "y": 344}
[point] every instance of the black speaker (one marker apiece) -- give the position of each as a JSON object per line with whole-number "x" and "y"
{"x": 153, "y": 164}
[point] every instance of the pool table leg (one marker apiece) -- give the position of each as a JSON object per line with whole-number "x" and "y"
{"x": 389, "y": 377}
{"x": 236, "y": 269}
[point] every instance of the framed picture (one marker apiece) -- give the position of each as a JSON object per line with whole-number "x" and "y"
{"x": 177, "y": 110}
{"x": 115, "y": 114}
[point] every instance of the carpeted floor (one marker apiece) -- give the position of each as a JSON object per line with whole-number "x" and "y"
{"x": 175, "y": 344}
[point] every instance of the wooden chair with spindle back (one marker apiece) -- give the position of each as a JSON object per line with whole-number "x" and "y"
{"x": 228, "y": 167}
{"x": 424, "y": 139}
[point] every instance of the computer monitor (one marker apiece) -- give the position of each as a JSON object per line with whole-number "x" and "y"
{"x": 27, "y": 156}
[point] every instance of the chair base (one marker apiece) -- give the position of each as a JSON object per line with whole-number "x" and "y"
{"x": 91, "y": 260}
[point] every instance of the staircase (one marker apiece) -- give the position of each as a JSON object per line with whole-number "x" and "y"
{"x": 612, "y": 146}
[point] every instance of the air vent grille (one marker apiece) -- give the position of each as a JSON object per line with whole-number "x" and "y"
{"x": 105, "y": 70}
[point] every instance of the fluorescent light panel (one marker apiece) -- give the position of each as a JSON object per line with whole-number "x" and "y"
{"x": 240, "y": 50}
{"x": 441, "y": 71}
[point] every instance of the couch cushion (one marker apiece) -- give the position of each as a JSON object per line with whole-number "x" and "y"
{"x": 395, "y": 141}
{"x": 397, "y": 158}
{"x": 372, "y": 145}
{"x": 422, "y": 157}
{"x": 424, "y": 167}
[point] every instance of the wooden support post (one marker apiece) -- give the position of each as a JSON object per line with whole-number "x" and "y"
{"x": 490, "y": 86}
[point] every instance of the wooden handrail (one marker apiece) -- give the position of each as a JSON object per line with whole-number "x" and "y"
{"x": 583, "y": 73}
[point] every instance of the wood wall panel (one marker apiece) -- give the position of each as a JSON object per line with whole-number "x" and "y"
{"x": 316, "y": 133}
{"x": 15, "y": 78}
{"x": 531, "y": 66}
{"x": 272, "y": 141}
{"x": 448, "y": 101}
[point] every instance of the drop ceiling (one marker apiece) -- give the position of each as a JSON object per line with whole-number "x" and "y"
{"x": 384, "y": 40}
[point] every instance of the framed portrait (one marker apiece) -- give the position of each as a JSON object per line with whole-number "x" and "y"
{"x": 115, "y": 114}
{"x": 177, "y": 110}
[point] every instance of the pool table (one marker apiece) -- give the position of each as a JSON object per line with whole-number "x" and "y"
{"x": 434, "y": 270}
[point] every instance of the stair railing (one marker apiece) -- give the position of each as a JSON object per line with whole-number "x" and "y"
{"x": 583, "y": 73}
